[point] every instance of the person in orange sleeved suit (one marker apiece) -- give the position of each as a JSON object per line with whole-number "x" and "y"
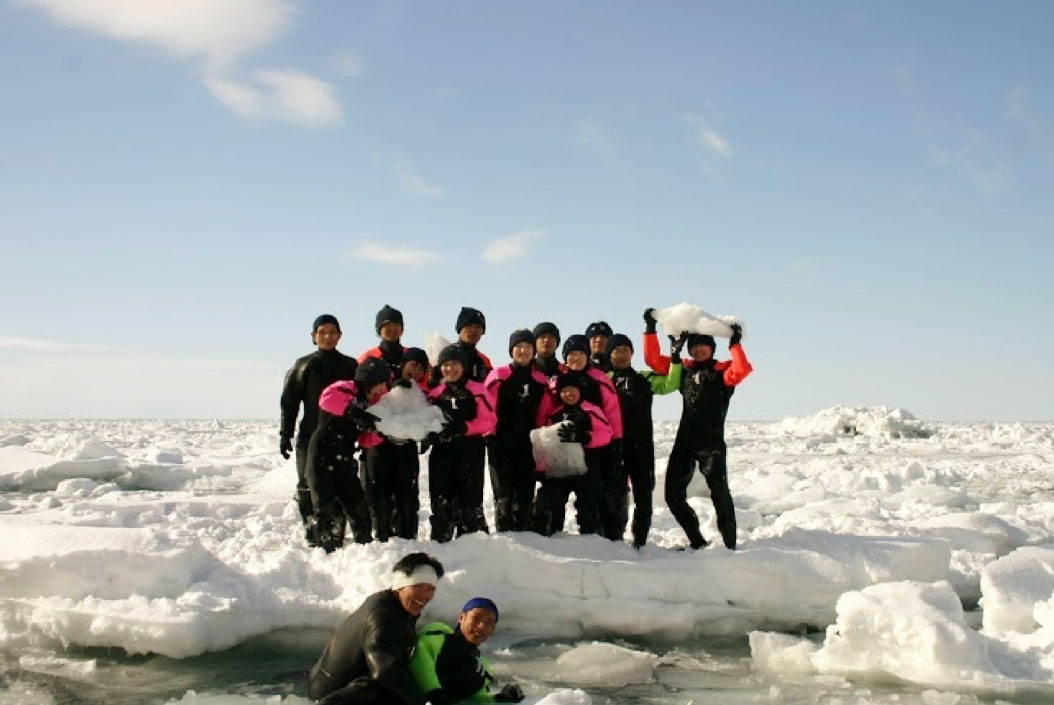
{"x": 706, "y": 388}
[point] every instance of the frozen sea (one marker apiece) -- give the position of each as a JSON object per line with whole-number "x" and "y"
{"x": 882, "y": 559}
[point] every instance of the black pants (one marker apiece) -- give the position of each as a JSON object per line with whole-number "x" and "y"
{"x": 551, "y": 502}
{"x": 303, "y": 490}
{"x": 513, "y": 481}
{"x": 614, "y": 498}
{"x": 336, "y": 493}
{"x": 679, "y": 470}
{"x": 391, "y": 473}
{"x": 455, "y": 487}
{"x": 638, "y": 455}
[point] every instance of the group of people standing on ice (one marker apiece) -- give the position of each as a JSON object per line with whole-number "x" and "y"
{"x": 596, "y": 395}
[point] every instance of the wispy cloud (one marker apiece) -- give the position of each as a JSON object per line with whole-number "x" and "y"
{"x": 216, "y": 33}
{"x": 708, "y": 138}
{"x": 597, "y": 137}
{"x": 988, "y": 180}
{"x": 387, "y": 254}
{"x": 410, "y": 180}
{"x": 39, "y": 344}
{"x": 1018, "y": 109}
{"x": 509, "y": 247}
{"x": 288, "y": 96}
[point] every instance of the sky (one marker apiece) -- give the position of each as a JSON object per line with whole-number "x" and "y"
{"x": 186, "y": 184}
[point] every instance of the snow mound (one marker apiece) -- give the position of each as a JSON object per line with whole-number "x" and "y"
{"x": 406, "y": 413}
{"x": 872, "y": 421}
{"x": 691, "y": 318}
{"x": 1014, "y": 585}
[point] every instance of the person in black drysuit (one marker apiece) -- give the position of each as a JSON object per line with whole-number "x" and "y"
{"x": 304, "y": 383}
{"x": 471, "y": 325}
{"x": 546, "y": 343}
{"x": 517, "y": 389}
{"x": 598, "y": 333}
{"x": 636, "y": 391}
{"x": 367, "y": 660}
{"x": 706, "y": 388}
{"x": 391, "y": 469}
{"x": 332, "y": 472}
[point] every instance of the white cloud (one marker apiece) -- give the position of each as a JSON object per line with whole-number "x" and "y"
{"x": 216, "y": 30}
{"x": 598, "y": 137}
{"x": 503, "y": 249}
{"x": 387, "y": 254}
{"x": 216, "y": 33}
{"x": 708, "y": 138}
{"x": 288, "y": 96}
{"x": 988, "y": 180}
{"x": 409, "y": 179}
{"x": 38, "y": 344}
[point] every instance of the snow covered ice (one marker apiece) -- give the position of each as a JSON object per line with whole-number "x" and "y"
{"x": 903, "y": 561}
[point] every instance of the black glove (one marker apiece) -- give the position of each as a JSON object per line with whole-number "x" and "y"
{"x": 570, "y": 434}
{"x": 452, "y": 429}
{"x": 737, "y": 334}
{"x": 285, "y": 446}
{"x": 510, "y": 693}
{"x": 404, "y": 383}
{"x": 649, "y": 320}
{"x": 676, "y": 345}
{"x": 363, "y": 420}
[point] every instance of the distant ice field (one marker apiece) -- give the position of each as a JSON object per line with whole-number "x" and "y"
{"x": 881, "y": 559}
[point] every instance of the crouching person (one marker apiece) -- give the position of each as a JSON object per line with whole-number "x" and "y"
{"x": 447, "y": 666}
{"x": 587, "y": 426}
{"x": 332, "y": 473}
{"x": 367, "y": 660}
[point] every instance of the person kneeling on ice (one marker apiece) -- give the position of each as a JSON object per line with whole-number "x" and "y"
{"x": 455, "y": 479}
{"x": 332, "y": 473}
{"x": 586, "y": 425}
{"x": 706, "y": 388}
{"x": 447, "y": 665}
{"x": 367, "y": 660}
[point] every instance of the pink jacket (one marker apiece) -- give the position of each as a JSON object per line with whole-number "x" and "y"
{"x": 486, "y": 418}
{"x": 499, "y": 375}
{"x": 335, "y": 400}
{"x": 608, "y": 401}
{"x": 599, "y": 434}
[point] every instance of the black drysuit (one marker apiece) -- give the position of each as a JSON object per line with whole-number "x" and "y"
{"x": 333, "y": 478}
{"x": 367, "y": 660}
{"x": 455, "y": 468}
{"x": 635, "y": 395}
{"x": 303, "y": 385}
{"x": 550, "y": 504}
{"x": 511, "y": 461}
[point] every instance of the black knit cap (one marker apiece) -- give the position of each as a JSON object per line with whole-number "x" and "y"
{"x": 323, "y": 320}
{"x": 416, "y": 355}
{"x": 599, "y": 328}
{"x": 575, "y": 342}
{"x": 468, "y": 316}
{"x": 387, "y": 315}
{"x": 455, "y": 353}
{"x": 616, "y": 340}
{"x": 371, "y": 371}
{"x": 547, "y": 327}
{"x": 699, "y": 339}
{"x": 569, "y": 379}
{"x": 520, "y": 336}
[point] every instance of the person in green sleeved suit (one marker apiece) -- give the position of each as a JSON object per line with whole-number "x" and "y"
{"x": 635, "y": 393}
{"x": 447, "y": 665}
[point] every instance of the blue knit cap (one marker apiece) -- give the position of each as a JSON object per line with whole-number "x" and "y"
{"x": 484, "y": 602}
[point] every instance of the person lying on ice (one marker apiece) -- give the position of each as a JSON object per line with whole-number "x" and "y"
{"x": 367, "y": 660}
{"x": 447, "y": 666}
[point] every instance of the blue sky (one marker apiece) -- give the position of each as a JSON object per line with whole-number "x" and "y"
{"x": 186, "y": 185}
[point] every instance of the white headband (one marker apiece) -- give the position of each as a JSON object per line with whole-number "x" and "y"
{"x": 422, "y": 574}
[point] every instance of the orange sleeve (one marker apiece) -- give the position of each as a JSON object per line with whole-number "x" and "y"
{"x": 739, "y": 368}
{"x": 653, "y": 357}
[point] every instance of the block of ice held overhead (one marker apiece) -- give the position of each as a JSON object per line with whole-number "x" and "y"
{"x": 691, "y": 318}
{"x": 406, "y": 413}
{"x": 553, "y": 457}
{"x": 1013, "y": 585}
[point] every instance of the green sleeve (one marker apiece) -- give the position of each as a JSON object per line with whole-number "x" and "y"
{"x": 482, "y": 695}
{"x": 423, "y": 664}
{"x": 667, "y": 383}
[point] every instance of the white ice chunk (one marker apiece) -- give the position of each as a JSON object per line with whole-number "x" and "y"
{"x": 781, "y": 653}
{"x": 609, "y": 665}
{"x": 434, "y": 344}
{"x": 566, "y": 696}
{"x": 406, "y": 413}
{"x": 555, "y": 458}
{"x": 691, "y": 318}
{"x": 875, "y": 422}
{"x": 1012, "y": 587}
